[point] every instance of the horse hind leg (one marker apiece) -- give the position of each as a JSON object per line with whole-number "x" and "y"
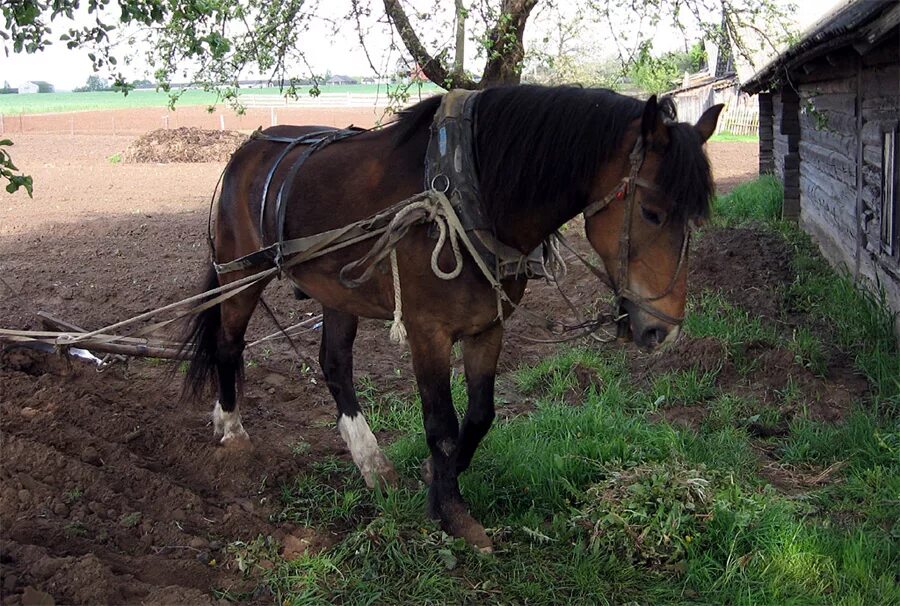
{"x": 217, "y": 341}
{"x": 336, "y": 359}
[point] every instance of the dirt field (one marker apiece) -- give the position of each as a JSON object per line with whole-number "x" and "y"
{"x": 114, "y": 492}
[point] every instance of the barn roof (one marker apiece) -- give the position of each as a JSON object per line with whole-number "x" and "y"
{"x": 862, "y": 22}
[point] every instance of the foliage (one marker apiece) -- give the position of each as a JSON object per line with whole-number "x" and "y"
{"x": 663, "y": 73}
{"x": 9, "y": 172}
{"x": 94, "y": 84}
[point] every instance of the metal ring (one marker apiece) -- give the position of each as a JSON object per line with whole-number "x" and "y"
{"x": 435, "y": 180}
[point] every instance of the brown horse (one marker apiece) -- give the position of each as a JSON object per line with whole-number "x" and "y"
{"x": 543, "y": 156}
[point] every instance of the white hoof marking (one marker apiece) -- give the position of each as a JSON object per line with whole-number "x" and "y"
{"x": 364, "y": 449}
{"x": 227, "y": 426}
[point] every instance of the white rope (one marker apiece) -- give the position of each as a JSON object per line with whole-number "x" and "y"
{"x": 398, "y": 329}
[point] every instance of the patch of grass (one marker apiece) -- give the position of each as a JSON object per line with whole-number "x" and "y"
{"x": 758, "y": 200}
{"x": 115, "y": 158}
{"x": 685, "y": 388}
{"x": 711, "y": 315}
{"x": 808, "y": 350}
{"x": 731, "y": 137}
{"x": 860, "y": 320}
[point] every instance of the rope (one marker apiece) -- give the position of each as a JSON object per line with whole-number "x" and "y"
{"x": 398, "y": 329}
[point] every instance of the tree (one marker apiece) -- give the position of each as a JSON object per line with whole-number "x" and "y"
{"x": 94, "y": 83}
{"x": 663, "y": 73}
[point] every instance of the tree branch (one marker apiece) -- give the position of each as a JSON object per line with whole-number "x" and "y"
{"x": 432, "y": 67}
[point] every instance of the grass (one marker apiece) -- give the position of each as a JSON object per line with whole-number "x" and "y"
{"x": 68, "y": 102}
{"x": 731, "y": 137}
{"x": 593, "y": 498}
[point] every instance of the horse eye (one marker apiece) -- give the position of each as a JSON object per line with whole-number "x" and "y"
{"x": 651, "y": 216}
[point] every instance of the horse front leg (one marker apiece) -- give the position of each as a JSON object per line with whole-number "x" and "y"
{"x": 431, "y": 361}
{"x": 480, "y": 354}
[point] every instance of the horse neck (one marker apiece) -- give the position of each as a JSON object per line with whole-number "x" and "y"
{"x": 525, "y": 230}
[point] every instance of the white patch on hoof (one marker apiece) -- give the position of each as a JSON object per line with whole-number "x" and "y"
{"x": 227, "y": 427}
{"x": 363, "y": 445}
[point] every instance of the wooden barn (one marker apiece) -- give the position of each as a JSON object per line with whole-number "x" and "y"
{"x": 828, "y": 128}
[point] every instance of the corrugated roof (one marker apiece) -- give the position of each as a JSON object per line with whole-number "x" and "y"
{"x": 843, "y": 25}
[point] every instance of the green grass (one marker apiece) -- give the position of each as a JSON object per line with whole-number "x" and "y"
{"x": 731, "y": 137}
{"x": 593, "y": 498}
{"x": 758, "y": 200}
{"x": 67, "y": 102}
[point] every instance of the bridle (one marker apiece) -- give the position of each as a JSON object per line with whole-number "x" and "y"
{"x": 626, "y": 190}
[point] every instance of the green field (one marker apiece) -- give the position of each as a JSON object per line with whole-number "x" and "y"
{"x": 594, "y": 498}
{"x": 67, "y": 102}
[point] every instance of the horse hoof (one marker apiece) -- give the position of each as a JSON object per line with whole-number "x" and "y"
{"x": 382, "y": 473}
{"x": 237, "y": 440}
{"x": 427, "y": 471}
{"x": 458, "y": 523}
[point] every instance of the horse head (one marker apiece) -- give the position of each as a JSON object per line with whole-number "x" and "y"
{"x": 640, "y": 225}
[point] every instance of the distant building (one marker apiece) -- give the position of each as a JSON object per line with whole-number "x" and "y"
{"x": 36, "y": 86}
{"x": 341, "y": 80}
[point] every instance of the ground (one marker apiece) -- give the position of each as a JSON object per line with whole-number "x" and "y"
{"x": 113, "y": 491}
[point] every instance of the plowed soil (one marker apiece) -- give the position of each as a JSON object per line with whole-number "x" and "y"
{"x": 111, "y": 491}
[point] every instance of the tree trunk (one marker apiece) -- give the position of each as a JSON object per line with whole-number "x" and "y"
{"x": 505, "y": 51}
{"x": 459, "y": 60}
{"x": 506, "y": 47}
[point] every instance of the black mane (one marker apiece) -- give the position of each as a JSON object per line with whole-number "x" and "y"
{"x": 540, "y": 147}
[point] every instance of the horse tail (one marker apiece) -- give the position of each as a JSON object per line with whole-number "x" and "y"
{"x": 201, "y": 345}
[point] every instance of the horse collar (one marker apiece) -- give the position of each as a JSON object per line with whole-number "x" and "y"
{"x": 451, "y": 166}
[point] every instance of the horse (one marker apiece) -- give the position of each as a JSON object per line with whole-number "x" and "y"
{"x": 542, "y": 156}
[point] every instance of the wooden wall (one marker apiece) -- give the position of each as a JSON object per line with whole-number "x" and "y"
{"x": 828, "y": 137}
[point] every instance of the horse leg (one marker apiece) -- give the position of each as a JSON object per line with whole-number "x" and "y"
{"x": 431, "y": 361}
{"x": 336, "y": 359}
{"x": 229, "y": 359}
{"x": 480, "y": 354}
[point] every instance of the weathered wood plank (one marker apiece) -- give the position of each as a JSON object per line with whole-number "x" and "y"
{"x": 837, "y": 141}
{"x": 835, "y": 163}
{"x": 833, "y": 85}
{"x": 844, "y": 103}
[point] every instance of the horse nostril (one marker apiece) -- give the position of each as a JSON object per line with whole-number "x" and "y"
{"x": 654, "y": 336}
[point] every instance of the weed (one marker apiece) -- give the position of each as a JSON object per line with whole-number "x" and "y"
{"x": 115, "y": 158}
{"x": 72, "y": 496}
{"x": 132, "y": 519}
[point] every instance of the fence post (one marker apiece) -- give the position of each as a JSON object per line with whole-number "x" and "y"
{"x": 166, "y": 121}
{"x": 21, "y": 124}
{"x": 221, "y": 122}
{"x": 272, "y": 112}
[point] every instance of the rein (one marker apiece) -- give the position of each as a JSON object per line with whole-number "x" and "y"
{"x": 620, "y": 285}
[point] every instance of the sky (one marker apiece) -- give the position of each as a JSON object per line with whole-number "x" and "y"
{"x": 338, "y": 53}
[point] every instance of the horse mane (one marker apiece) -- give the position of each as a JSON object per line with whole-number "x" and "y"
{"x": 542, "y": 146}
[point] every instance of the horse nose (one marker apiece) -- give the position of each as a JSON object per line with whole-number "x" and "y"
{"x": 653, "y": 336}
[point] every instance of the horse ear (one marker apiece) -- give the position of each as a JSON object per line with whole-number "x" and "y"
{"x": 650, "y": 119}
{"x": 706, "y": 125}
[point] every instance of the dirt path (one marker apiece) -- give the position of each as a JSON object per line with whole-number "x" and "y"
{"x": 112, "y": 491}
